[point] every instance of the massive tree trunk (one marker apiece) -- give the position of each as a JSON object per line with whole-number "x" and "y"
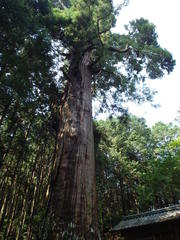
{"x": 73, "y": 195}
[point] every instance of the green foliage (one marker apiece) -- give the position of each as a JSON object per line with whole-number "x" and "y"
{"x": 80, "y": 19}
{"x": 28, "y": 98}
{"x": 118, "y": 75}
{"x": 137, "y": 167}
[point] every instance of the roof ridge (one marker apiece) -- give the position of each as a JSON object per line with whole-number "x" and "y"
{"x": 152, "y": 212}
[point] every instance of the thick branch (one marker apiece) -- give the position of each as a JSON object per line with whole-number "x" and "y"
{"x": 119, "y": 50}
{"x": 99, "y": 70}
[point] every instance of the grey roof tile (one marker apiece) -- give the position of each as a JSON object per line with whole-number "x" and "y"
{"x": 155, "y": 216}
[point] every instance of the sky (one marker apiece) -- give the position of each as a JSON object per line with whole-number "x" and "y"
{"x": 165, "y": 14}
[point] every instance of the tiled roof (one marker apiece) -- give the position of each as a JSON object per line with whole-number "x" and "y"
{"x": 155, "y": 216}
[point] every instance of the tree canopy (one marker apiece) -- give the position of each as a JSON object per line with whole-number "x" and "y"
{"x": 120, "y": 63}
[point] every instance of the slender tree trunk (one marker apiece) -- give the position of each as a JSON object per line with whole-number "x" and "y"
{"x": 123, "y": 201}
{"x": 10, "y": 143}
{"x": 4, "y": 113}
{"x": 73, "y": 196}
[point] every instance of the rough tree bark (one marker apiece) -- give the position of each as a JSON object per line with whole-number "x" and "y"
{"x": 73, "y": 195}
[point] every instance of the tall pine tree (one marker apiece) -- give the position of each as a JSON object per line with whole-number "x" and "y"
{"x": 94, "y": 60}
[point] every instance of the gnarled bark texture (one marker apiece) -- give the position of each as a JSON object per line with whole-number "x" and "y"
{"x": 73, "y": 196}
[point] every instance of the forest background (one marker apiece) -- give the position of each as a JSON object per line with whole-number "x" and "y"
{"x": 137, "y": 167}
